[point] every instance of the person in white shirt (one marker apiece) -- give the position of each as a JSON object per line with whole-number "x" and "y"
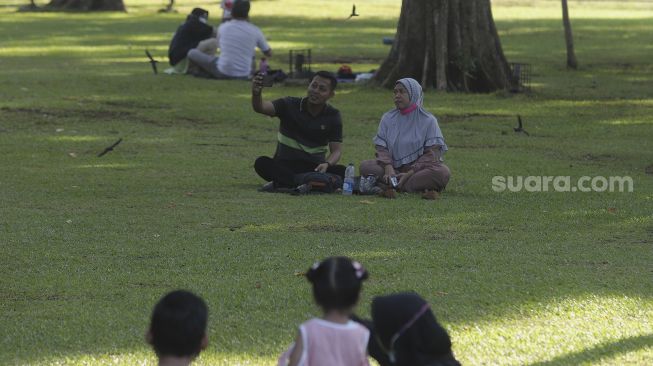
{"x": 237, "y": 39}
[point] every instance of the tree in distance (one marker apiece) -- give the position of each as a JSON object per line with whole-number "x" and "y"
{"x": 451, "y": 45}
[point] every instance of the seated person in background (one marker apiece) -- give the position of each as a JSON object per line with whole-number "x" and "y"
{"x": 409, "y": 144}
{"x": 226, "y": 6}
{"x": 404, "y": 332}
{"x": 178, "y": 328}
{"x": 194, "y": 33}
{"x": 237, "y": 39}
{"x": 308, "y": 127}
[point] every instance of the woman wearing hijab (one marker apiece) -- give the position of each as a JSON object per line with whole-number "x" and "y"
{"x": 409, "y": 144}
{"x": 404, "y": 332}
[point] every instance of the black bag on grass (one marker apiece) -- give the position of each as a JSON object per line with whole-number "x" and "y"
{"x": 320, "y": 182}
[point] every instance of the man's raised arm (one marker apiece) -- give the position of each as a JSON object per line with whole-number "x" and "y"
{"x": 258, "y": 104}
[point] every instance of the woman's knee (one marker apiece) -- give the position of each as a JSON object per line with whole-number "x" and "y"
{"x": 432, "y": 178}
{"x": 442, "y": 173}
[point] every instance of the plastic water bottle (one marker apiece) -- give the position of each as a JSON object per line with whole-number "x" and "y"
{"x": 348, "y": 184}
{"x": 263, "y": 66}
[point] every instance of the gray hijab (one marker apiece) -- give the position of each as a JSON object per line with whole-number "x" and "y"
{"x": 406, "y": 135}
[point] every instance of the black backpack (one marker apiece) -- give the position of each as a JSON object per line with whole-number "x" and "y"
{"x": 319, "y": 182}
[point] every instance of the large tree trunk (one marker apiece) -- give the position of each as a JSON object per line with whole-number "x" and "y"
{"x": 86, "y": 5}
{"x": 569, "y": 38}
{"x": 447, "y": 44}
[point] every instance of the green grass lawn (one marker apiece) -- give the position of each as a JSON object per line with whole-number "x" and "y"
{"x": 88, "y": 244}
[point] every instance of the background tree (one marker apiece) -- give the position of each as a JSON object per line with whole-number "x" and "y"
{"x": 448, "y": 44}
{"x": 170, "y": 8}
{"x": 29, "y": 7}
{"x": 86, "y": 5}
{"x": 569, "y": 38}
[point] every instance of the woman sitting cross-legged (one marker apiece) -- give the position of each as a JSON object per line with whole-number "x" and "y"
{"x": 409, "y": 145}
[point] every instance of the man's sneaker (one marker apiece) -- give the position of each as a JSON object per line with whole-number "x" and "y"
{"x": 367, "y": 183}
{"x": 268, "y": 187}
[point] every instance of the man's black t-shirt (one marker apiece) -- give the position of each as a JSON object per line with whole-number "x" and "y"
{"x": 303, "y": 136}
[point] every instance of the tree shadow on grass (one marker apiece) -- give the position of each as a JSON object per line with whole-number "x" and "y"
{"x": 601, "y": 351}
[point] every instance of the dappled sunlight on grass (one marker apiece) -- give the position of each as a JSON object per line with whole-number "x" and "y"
{"x": 288, "y": 45}
{"x": 149, "y": 38}
{"x": 590, "y": 214}
{"x": 375, "y": 254}
{"x": 263, "y": 228}
{"x": 640, "y": 220}
{"x": 144, "y": 356}
{"x": 335, "y": 10}
{"x": 108, "y": 166}
{"x": 577, "y": 10}
{"x": 69, "y": 50}
{"x": 69, "y": 138}
{"x": 594, "y": 103}
{"x": 619, "y": 316}
{"x": 82, "y": 138}
{"x": 623, "y": 122}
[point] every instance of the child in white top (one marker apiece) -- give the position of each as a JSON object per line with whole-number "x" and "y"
{"x": 334, "y": 339}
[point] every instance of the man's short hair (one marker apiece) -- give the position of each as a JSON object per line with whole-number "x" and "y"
{"x": 240, "y": 9}
{"x": 330, "y": 76}
{"x": 178, "y": 324}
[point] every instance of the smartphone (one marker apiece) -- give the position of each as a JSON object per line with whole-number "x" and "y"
{"x": 393, "y": 181}
{"x": 268, "y": 80}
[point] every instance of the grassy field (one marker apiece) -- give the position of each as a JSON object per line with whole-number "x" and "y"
{"x": 88, "y": 244}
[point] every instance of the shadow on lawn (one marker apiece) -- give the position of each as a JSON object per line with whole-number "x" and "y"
{"x": 602, "y": 351}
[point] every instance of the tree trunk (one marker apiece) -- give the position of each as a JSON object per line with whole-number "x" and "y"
{"x": 569, "y": 38}
{"x": 170, "y": 8}
{"x": 86, "y": 5}
{"x": 447, "y": 44}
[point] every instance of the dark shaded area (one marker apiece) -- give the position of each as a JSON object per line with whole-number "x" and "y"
{"x": 77, "y": 6}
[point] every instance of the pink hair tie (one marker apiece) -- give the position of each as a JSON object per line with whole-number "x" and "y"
{"x": 360, "y": 271}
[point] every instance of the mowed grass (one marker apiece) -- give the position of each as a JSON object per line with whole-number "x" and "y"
{"x": 89, "y": 244}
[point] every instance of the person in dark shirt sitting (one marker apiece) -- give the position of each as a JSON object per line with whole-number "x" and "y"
{"x": 194, "y": 33}
{"x": 309, "y": 128}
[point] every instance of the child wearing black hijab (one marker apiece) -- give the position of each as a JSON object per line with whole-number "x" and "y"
{"x": 404, "y": 332}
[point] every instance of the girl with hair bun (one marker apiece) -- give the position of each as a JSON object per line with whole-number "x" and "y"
{"x": 333, "y": 339}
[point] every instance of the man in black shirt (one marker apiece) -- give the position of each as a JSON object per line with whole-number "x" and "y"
{"x": 309, "y": 128}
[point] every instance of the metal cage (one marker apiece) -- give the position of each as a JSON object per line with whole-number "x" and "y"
{"x": 521, "y": 76}
{"x": 299, "y": 62}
